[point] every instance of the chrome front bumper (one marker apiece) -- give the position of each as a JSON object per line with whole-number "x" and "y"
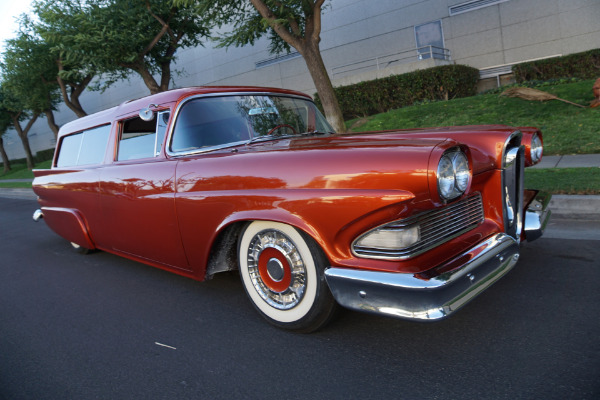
{"x": 414, "y": 297}
{"x": 411, "y": 297}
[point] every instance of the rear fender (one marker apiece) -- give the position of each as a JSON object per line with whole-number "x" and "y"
{"x": 69, "y": 224}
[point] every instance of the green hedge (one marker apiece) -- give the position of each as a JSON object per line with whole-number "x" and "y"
{"x": 44, "y": 155}
{"x": 381, "y": 95}
{"x": 40, "y": 156}
{"x": 584, "y": 65}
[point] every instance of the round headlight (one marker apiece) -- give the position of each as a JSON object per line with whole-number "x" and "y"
{"x": 445, "y": 175}
{"x": 453, "y": 174}
{"x": 536, "y": 148}
{"x": 461, "y": 171}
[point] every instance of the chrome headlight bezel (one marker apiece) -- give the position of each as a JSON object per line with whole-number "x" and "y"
{"x": 453, "y": 174}
{"x": 536, "y": 148}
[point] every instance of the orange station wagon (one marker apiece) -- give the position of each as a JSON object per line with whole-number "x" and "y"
{"x": 410, "y": 223}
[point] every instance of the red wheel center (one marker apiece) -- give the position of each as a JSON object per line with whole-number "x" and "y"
{"x": 274, "y": 270}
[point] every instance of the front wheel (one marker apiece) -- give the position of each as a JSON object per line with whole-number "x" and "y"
{"x": 283, "y": 274}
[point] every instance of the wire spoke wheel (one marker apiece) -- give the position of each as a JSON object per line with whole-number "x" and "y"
{"x": 282, "y": 273}
{"x": 276, "y": 269}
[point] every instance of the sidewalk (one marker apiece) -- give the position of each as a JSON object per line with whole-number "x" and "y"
{"x": 576, "y": 161}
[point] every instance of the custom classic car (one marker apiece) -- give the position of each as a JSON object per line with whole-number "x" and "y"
{"x": 409, "y": 223}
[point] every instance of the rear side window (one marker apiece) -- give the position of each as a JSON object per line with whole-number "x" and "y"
{"x": 142, "y": 139}
{"x": 83, "y": 148}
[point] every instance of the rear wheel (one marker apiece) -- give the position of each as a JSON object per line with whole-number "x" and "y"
{"x": 80, "y": 249}
{"x": 283, "y": 274}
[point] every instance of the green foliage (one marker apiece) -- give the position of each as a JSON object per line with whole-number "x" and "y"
{"x": 585, "y": 65}
{"x": 564, "y": 180}
{"x": 381, "y": 95}
{"x": 247, "y": 25}
{"x": 11, "y": 108}
{"x": 29, "y": 71}
{"x": 117, "y": 37}
{"x": 567, "y": 129}
{"x": 5, "y": 120}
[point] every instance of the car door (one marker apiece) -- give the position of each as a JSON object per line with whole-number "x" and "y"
{"x": 137, "y": 195}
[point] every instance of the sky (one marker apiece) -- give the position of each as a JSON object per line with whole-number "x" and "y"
{"x": 9, "y": 9}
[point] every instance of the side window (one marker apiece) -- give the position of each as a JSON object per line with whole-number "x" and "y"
{"x": 142, "y": 139}
{"x": 93, "y": 146}
{"x": 84, "y": 148}
{"x": 69, "y": 150}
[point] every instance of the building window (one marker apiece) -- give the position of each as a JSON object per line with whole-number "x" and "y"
{"x": 430, "y": 40}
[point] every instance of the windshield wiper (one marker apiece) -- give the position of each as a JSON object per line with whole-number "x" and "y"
{"x": 317, "y": 132}
{"x": 266, "y": 138}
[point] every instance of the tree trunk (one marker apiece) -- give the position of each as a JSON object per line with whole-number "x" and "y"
{"x": 307, "y": 44}
{"x": 320, "y": 77}
{"x": 24, "y": 139}
{"x": 72, "y": 101}
{"x": 5, "y": 159}
{"x": 147, "y": 77}
{"x": 52, "y": 122}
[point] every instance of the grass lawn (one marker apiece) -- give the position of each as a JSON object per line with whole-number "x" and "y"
{"x": 564, "y": 180}
{"x": 20, "y": 171}
{"x": 13, "y": 185}
{"x": 567, "y": 129}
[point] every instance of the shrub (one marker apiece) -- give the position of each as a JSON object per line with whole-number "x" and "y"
{"x": 43, "y": 155}
{"x": 584, "y": 65}
{"x": 381, "y": 95}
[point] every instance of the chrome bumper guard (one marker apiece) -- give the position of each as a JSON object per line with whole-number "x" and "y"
{"x": 412, "y": 297}
{"x": 537, "y": 216}
{"x": 37, "y": 215}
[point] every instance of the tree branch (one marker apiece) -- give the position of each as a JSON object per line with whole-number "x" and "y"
{"x": 316, "y": 33}
{"x": 74, "y": 106}
{"x": 267, "y": 14}
{"x": 165, "y": 28}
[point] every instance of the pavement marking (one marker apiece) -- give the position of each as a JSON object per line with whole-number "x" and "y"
{"x": 165, "y": 345}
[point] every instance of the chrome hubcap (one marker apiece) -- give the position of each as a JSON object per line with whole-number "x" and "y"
{"x": 276, "y": 269}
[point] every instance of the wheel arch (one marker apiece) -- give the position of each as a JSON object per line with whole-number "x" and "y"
{"x": 223, "y": 252}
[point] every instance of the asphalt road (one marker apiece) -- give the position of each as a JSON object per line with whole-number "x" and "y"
{"x": 103, "y": 327}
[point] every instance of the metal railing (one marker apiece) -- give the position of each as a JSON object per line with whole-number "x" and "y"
{"x": 389, "y": 60}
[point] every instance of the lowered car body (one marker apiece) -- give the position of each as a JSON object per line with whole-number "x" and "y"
{"x": 407, "y": 223}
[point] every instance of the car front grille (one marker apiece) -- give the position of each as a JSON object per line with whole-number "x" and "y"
{"x": 435, "y": 227}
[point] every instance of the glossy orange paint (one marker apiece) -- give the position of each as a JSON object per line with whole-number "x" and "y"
{"x": 169, "y": 211}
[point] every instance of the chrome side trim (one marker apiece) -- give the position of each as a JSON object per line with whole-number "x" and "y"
{"x": 537, "y": 216}
{"x": 409, "y": 296}
{"x": 37, "y": 215}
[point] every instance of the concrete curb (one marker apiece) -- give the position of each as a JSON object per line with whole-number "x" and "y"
{"x": 561, "y": 206}
{"x": 575, "y": 206}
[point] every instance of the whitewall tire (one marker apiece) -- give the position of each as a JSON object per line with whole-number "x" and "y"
{"x": 283, "y": 274}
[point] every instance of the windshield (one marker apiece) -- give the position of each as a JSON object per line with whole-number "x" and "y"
{"x": 222, "y": 121}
